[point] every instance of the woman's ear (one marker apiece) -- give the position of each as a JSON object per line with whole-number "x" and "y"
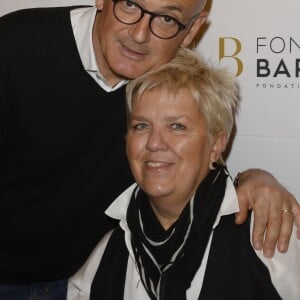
{"x": 194, "y": 29}
{"x": 218, "y": 147}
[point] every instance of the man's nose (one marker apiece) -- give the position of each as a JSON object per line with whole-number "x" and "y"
{"x": 140, "y": 31}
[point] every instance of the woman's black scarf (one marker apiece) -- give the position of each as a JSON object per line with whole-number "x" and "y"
{"x": 167, "y": 260}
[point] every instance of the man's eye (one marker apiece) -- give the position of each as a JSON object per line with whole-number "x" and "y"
{"x": 178, "y": 126}
{"x": 129, "y": 4}
{"x": 167, "y": 19}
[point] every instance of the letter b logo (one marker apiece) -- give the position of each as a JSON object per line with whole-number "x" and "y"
{"x": 235, "y": 49}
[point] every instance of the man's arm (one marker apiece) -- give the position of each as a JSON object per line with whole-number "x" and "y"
{"x": 260, "y": 191}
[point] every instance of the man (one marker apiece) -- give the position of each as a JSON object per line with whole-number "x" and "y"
{"x": 62, "y": 123}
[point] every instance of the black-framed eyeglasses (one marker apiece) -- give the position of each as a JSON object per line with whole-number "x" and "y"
{"x": 161, "y": 25}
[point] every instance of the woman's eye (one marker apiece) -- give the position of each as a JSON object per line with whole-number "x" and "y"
{"x": 140, "y": 126}
{"x": 178, "y": 126}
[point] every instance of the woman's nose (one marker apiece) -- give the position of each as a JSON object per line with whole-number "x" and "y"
{"x": 156, "y": 141}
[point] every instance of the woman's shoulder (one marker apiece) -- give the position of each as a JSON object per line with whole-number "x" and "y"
{"x": 79, "y": 284}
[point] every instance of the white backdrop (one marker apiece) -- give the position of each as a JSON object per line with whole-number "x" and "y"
{"x": 263, "y": 37}
{"x": 260, "y": 42}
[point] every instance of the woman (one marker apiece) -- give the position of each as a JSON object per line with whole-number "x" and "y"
{"x": 177, "y": 238}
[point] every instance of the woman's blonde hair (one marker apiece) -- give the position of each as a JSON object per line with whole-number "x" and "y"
{"x": 214, "y": 89}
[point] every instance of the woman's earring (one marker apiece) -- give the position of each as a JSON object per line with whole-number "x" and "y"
{"x": 213, "y": 165}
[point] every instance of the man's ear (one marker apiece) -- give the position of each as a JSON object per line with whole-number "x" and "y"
{"x": 218, "y": 147}
{"x": 99, "y": 4}
{"x": 194, "y": 29}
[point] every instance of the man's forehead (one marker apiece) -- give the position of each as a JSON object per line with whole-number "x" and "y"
{"x": 176, "y": 5}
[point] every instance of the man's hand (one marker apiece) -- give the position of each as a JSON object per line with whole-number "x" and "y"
{"x": 275, "y": 210}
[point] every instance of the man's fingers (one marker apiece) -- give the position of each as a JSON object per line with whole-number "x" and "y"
{"x": 271, "y": 237}
{"x": 259, "y": 190}
{"x": 260, "y": 222}
{"x": 296, "y": 212}
{"x": 286, "y": 230}
{"x": 273, "y": 229}
{"x": 270, "y": 217}
{"x": 289, "y": 211}
{"x": 241, "y": 216}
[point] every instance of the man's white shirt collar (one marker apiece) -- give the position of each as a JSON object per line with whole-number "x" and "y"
{"x": 82, "y": 20}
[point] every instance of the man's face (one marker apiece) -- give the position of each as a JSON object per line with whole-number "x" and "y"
{"x": 127, "y": 51}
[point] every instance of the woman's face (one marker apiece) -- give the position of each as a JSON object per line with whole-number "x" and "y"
{"x": 168, "y": 146}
